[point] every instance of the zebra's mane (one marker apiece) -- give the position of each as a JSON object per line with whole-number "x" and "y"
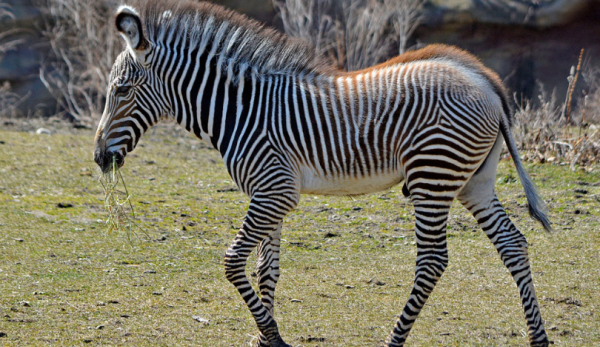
{"x": 244, "y": 41}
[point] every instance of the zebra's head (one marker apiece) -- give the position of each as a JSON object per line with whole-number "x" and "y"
{"x": 132, "y": 105}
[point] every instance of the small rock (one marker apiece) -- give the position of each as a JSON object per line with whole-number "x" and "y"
{"x": 347, "y": 286}
{"x": 201, "y": 320}
{"x": 444, "y": 334}
{"x": 64, "y": 205}
{"x": 25, "y": 304}
{"x": 581, "y": 191}
{"x": 330, "y": 234}
{"x": 124, "y": 316}
{"x": 2, "y": 334}
{"x": 100, "y": 303}
{"x": 296, "y": 300}
{"x": 43, "y": 131}
{"x": 100, "y": 327}
{"x": 150, "y": 272}
{"x": 113, "y": 301}
{"x": 87, "y": 340}
{"x": 19, "y": 240}
{"x": 157, "y": 293}
{"x": 445, "y": 312}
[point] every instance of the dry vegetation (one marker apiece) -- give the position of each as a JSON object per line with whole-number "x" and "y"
{"x": 117, "y": 202}
{"x": 84, "y": 46}
{"x": 356, "y": 34}
{"x": 550, "y": 131}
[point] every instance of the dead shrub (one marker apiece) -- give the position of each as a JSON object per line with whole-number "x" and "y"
{"x": 544, "y": 134}
{"x": 83, "y": 48}
{"x": 356, "y": 34}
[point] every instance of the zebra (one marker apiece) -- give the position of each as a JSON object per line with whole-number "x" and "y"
{"x": 287, "y": 122}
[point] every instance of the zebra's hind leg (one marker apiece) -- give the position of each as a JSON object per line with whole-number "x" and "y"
{"x": 264, "y": 217}
{"x": 512, "y": 247}
{"x": 431, "y": 216}
{"x": 479, "y": 198}
{"x": 268, "y": 274}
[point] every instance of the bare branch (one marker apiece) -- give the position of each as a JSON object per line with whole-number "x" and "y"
{"x": 83, "y": 46}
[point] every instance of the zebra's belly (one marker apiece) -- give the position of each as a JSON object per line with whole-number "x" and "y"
{"x": 313, "y": 183}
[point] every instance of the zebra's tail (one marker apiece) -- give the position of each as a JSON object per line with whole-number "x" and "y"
{"x": 537, "y": 207}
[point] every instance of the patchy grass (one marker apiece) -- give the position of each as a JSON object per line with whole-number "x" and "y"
{"x": 347, "y": 262}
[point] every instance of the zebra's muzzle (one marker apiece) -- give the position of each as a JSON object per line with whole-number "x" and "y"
{"x": 105, "y": 160}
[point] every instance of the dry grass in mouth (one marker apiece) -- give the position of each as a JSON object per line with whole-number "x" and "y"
{"x": 117, "y": 202}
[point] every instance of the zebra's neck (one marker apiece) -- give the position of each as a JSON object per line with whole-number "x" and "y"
{"x": 219, "y": 99}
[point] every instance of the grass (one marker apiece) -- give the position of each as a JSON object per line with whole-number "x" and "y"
{"x": 65, "y": 281}
{"x": 117, "y": 201}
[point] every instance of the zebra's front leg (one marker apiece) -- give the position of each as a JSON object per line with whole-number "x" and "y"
{"x": 264, "y": 218}
{"x": 268, "y": 274}
{"x": 432, "y": 259}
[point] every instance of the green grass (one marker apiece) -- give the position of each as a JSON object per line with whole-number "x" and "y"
{"x": 64, "y": 281}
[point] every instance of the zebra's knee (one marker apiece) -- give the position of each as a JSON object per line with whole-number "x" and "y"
{"x": 234, "y": 266}
{"x": 432, "y": 267}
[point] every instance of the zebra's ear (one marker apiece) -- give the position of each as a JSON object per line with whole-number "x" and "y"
{"x": 129, "y": 25}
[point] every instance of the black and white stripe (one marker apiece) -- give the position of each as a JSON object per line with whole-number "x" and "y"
{"x": 287, "y": 123}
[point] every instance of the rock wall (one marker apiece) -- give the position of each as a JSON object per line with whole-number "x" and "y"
{"x": 524, "y": 41}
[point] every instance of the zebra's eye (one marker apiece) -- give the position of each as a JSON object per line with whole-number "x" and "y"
{"x": 123, "y": 89}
